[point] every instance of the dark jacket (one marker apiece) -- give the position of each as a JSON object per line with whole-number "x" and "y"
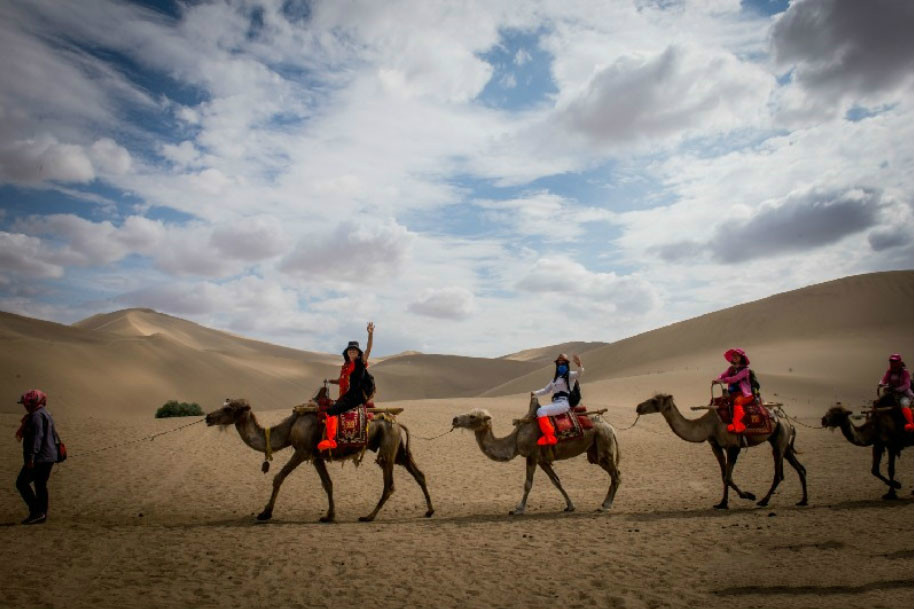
{"x": 38, "y": 438}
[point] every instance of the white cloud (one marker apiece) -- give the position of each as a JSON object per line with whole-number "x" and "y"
{"x": 445, "y": 303}
{"x": 33, "y": 161}
{"x": 575, "y": 285}
{"x": 670, "y": 94}
{"x": 23, "y": 255}
{"x": 109, "y": 157}
{"x": 365, "y": 253}
{"x": 543, "y": 214}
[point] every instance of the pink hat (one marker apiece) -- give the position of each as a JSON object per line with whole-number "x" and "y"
{"x": 895, "y": 357}
{"x": 33, "y": 399}
{"x": 731, "y": 352}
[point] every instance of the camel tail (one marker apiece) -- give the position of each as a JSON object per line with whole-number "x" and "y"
{"x": 617, "y": 455}
{"x": 404, "y": 446}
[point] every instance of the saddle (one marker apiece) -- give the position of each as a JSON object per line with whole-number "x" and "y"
{"x": 757, "y": 418}
{"x": 570, "y": 425}
{"x": 352, "y": 431}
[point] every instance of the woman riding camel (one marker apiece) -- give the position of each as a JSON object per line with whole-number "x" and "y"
{"x": 897, "y": 379}
{"x": 560, "y": 388}
{"x": 737, "y": 378}
{"x": 352, "y": 372}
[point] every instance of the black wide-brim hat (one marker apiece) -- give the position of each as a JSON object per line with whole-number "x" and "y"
{"x": 353, "y": 343}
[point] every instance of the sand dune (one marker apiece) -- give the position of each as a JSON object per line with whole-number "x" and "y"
{"x": 833, "y": 336}
{"x": 546, "y": 355}
{"x": 170, "y": 522}
{"x": 840, "y": 332}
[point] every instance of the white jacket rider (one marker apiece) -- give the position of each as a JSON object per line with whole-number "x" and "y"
{"x": 558, "y": 387}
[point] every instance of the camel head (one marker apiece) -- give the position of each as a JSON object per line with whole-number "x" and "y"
{"x": 835, "y": 416}
{"x": 658, "y": 403}
{"x": 475, "y": 419}
{"x": 230, "y": 413}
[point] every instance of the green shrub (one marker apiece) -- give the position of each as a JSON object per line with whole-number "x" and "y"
{"x": 172, "y": 408}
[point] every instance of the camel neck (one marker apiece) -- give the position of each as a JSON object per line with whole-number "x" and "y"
{"x": 497, "y": 449}
{"x": 254, "y": 436}
{"x": 860, "y": 436}
{"x": 691, "y": 430}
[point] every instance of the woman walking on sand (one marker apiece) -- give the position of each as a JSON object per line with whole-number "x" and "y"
{"x": 39, "y": 454}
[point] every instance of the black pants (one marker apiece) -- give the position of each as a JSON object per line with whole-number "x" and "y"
{"x": 347, "y": 401}
{"x": 38, "y": 475}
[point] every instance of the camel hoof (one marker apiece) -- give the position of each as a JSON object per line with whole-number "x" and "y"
{"x": 721, "y": 506}
{"x": 762, "y": 503}
{"x": 569, "y": 508}
{"x": 264, "y": 515}
{"x": 802, "y": 502}
{"x": 895, "y": 484}
{"x": 516, "y": 513}
{"x": 325, "y": 519}
{"x": 429, "y": 513}
{"x": 749, "y": 496}
{"x": 366, "y": 518}
{"x": 890, "y": 496}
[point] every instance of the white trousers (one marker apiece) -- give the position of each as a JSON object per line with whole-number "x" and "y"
{"x": 557, "y": 407}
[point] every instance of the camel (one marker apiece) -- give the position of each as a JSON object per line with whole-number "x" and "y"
{"x": 883, "y": 430}
{"x": 387, "y": 437}
{"x": 599, "y": 443}
{"x": 709, "y": 428}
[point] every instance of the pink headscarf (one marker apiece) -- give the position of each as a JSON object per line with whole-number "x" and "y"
{"x": 32, "y": 401}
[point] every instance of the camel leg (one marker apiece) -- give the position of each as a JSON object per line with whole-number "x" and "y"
{"x": 719, "y": 453}
{"x": 406, "y": 460}
{"x": 892, "y": 483}
{"x": 732, "y": 455}
{"x": 388, "y": 468}
{"x": 778, "y": 453}
{"x": 327, "y": 483}
{"x": 528, "y": 484}
{"x": 726, "y": 475}
{"x": 569, "y": 506}
{"x": 615, "y": 478}
{"x": 295, "y": 461}
{"x": 878, "y": 449}
{"x": 791, "y": 457}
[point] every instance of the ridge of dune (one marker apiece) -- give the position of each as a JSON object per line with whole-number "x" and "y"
{"x": 547, "y": 354}
{"x": 423, "y": 376}
{"x": 832, "y": 336}
{"x": 841, "y": 323}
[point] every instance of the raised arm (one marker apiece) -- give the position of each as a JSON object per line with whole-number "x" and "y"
{"x": 577, "y": 374}
{"x": 367, "y": 351}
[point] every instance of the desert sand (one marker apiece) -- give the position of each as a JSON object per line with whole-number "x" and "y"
{"x": 170, "y": 522}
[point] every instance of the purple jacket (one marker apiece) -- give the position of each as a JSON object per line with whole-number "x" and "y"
{"x": 741, "y": 377}
{"x": 38, "y": 438}
{"x": 898, "y": 381}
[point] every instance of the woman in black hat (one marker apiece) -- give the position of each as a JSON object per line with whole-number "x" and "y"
{"x": 355, "y": 361}
{"x": 560, "y": 388}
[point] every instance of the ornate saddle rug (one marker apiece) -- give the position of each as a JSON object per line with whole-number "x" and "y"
{"x": 757, "y": 419}
{"x": 570, "y": 425}
{"x": 352, "y": 432}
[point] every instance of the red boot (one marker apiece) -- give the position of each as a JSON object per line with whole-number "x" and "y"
{"x": 909, "y": 417}
{"x": 548, "y": 438}
{"x": 329, "y": 441}
{"x": 737, "y": 425}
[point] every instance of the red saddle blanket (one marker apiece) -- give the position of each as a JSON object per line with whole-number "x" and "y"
{"x": 352, "y": 432}
{"x": 757, "y": 419}
{"x": 570, "y": 425}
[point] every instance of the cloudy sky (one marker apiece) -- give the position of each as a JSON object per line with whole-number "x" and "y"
{"x": 476, "y": 177}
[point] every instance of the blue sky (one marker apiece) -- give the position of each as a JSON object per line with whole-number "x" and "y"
{"x": 477, "y": 178}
